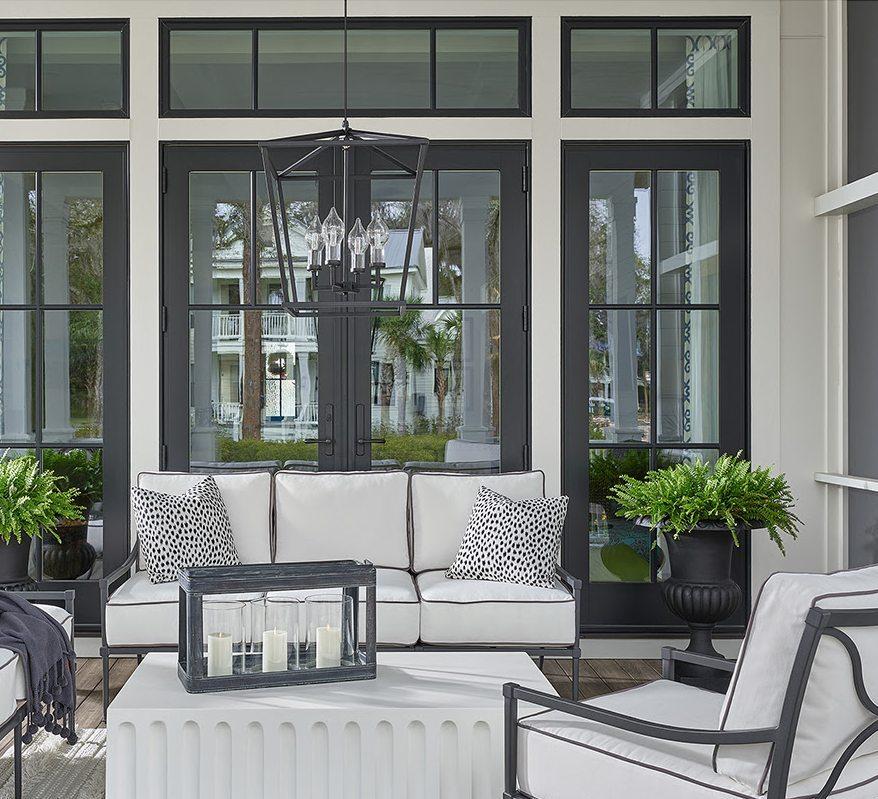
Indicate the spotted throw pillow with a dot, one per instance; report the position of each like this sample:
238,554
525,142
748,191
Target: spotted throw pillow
511,541
180,530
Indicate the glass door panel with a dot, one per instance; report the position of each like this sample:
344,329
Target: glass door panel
665,329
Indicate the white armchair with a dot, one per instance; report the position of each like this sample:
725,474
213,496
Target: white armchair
799,719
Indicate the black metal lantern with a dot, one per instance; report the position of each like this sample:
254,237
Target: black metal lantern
345,262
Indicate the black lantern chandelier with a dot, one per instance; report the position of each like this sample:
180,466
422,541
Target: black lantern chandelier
345,271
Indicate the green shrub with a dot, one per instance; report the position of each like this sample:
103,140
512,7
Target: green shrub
731,492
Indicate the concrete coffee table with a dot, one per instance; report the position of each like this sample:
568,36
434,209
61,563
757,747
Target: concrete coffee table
430,725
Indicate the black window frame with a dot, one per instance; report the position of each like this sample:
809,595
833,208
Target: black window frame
38,26
630,608
431,24
653,25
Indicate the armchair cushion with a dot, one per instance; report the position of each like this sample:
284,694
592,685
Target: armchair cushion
65,620
247,498
469,612
831,714
332,515
564,757
441,505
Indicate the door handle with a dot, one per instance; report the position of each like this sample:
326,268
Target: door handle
328,440
361,439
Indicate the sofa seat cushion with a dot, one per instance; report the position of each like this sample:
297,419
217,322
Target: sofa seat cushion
441,505
333,516
248,500
564,757
397,611
65,620
486,612
9,697
141,613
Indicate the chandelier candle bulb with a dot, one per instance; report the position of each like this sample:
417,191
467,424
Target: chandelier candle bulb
378,234
358,243
315,241
333,235
274,650
328,647
219,654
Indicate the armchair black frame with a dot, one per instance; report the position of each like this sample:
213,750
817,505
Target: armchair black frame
818,623
14,723
573,651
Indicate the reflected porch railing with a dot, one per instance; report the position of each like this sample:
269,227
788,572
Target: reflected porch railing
279,326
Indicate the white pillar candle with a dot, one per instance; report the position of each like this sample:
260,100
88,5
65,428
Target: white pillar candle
219,654
328,647
274,650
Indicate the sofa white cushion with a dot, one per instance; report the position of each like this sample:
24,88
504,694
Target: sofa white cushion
142,613
831,714
487,612
441,505
9,665
397,611
65,620
333,516
564,757
247,497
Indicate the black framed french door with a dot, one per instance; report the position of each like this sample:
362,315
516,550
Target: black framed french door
244,382
655,352
64,346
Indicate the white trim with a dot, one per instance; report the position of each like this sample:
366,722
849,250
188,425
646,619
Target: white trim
848,198
847,481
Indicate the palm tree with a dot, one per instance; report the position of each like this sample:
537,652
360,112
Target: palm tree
402,338
453,324
440,342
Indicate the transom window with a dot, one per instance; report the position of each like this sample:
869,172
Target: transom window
64,69
666,67
411,67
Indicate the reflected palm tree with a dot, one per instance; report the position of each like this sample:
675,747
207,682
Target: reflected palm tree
402,336
440,344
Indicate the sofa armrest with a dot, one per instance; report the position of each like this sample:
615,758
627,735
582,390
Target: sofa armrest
120,571
68,597
574,585
671,656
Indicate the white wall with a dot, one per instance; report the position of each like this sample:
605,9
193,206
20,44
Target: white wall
797,265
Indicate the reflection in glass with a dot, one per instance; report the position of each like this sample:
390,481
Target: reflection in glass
469,236
688,236
687,378
17,376
698,68
610,68
253,387
219,237
79,553
73,375
210,69
476,68
619,237
436,388
619,376
393,200
301,200
18,52
81,70
619,549
17,236
73,238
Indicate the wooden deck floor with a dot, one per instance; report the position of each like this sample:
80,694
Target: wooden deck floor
596,677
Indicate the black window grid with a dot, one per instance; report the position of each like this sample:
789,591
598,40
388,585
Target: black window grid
654,25
38,27
520,24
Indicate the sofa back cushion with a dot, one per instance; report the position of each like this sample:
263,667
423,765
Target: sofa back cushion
339,515
247,497
831,714
441,505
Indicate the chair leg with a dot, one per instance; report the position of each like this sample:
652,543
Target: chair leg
16,766
105,683
575,665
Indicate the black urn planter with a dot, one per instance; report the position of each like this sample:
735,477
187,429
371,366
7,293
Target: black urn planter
701,590
72,556
14,560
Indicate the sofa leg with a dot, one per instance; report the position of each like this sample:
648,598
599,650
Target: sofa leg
105,682
542,661
16,760
575,664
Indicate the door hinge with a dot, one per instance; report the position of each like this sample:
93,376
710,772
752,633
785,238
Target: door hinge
525,318
525,456
164,180
163,457
164,319
525,178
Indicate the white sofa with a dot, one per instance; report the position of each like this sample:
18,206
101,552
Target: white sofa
799,719
408,525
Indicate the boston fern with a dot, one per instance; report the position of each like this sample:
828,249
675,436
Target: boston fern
31,500
732,492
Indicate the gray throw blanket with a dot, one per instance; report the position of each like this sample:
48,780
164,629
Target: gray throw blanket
49,665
